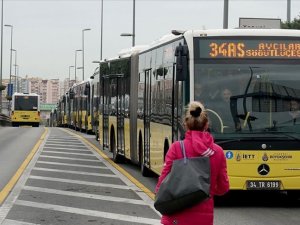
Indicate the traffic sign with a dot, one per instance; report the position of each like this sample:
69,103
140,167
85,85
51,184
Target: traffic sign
10,88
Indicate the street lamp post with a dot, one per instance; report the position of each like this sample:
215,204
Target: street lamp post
15,65
133,24
17,78
288,19
133,28
79,50
101,36
70,75
225,14
87,29
11,47
1,68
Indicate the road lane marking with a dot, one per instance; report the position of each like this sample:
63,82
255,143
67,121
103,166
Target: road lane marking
75,172
87,212
69,153
61,137
8,187
73,149
15,222
85,195
116,166
69,158
82,182
78,145
72,164
63,142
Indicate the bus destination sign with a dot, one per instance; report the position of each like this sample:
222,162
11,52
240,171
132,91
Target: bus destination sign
249,49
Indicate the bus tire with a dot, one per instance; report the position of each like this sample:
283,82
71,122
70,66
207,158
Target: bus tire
144,170
97,135
117,158
166,148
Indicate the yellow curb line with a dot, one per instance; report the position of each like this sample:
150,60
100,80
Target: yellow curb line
120,169
9,186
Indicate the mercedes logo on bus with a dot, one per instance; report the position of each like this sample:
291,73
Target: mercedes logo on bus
263,169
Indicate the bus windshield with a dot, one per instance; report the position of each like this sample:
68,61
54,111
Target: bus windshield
250,97
26,103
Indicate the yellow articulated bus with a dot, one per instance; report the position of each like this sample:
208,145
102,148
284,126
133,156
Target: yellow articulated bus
80,107
249,82
25,109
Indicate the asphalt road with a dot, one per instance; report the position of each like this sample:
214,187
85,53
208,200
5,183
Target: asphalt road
15,145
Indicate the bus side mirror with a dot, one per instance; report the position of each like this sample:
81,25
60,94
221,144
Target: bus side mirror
181,54
87,89
72,94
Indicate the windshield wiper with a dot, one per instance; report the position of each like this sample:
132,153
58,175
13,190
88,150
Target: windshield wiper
285,134
234,140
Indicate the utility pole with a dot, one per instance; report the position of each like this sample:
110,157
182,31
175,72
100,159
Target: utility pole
1,56
225,14
288,19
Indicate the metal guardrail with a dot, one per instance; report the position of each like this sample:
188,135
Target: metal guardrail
5,120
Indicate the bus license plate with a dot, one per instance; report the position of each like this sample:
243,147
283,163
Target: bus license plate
263,185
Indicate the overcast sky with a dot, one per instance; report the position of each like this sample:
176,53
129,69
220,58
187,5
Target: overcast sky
46,33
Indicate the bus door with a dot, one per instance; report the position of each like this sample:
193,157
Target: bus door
92,107
106,111
147,116
120,114
177,128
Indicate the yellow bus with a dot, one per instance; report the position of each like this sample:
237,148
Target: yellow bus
25,109
249,82
80,107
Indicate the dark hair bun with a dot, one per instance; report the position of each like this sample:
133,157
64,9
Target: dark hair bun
196,112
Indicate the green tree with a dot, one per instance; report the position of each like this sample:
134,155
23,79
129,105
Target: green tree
295,24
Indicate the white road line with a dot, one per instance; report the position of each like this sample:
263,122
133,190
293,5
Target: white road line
69,153
64,141
72,164
124,187
80,145
62,137
15,222
69,158
75,172
86,212
85,195
69,149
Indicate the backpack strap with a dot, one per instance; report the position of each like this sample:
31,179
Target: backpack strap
183,151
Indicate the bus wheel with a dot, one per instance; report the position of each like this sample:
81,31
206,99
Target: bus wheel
117,158
144,170
97,135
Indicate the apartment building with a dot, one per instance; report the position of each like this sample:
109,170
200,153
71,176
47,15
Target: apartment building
48,89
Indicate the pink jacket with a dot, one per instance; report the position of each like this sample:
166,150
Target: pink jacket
196,142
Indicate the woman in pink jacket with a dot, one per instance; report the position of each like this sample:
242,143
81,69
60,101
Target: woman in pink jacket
197,141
